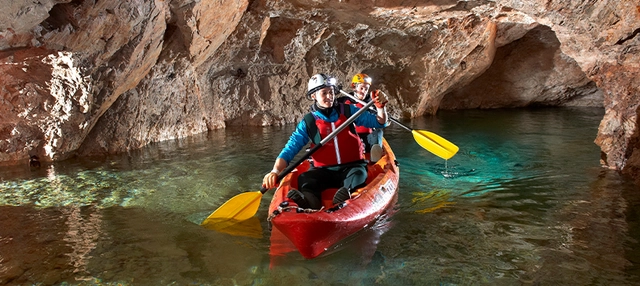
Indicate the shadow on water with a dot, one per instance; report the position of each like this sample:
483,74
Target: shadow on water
523,202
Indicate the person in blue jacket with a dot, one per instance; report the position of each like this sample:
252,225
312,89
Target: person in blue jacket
339,163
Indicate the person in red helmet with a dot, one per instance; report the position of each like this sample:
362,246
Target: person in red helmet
339,163
371,137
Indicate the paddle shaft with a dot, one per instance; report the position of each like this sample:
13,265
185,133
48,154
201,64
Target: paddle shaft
315,148
428,140
390,118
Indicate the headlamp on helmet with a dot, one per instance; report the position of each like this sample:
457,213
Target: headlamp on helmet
320,81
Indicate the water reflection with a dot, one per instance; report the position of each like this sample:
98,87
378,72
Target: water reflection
82,236
354,261
430,201
249,228
523,202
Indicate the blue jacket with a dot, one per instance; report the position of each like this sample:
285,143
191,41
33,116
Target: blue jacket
300,138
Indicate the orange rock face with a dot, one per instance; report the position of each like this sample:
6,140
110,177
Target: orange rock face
104,77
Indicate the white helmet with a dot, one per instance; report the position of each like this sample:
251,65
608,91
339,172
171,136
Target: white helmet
320,81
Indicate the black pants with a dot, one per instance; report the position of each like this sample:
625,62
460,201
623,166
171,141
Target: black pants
314,181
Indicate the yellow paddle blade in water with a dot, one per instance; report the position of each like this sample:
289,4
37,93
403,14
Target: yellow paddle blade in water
249,228
435,144
431,201
239,208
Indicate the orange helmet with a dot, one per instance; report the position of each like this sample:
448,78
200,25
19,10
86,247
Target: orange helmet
360,78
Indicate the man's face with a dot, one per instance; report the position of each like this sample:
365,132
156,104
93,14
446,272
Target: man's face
362,89
324,97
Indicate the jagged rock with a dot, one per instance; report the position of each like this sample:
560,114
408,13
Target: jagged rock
95,53
18,18
44,97
527,72
145,71
173,99
604,39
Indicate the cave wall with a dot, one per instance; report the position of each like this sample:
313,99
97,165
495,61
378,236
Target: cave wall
94,77
603,37
531,71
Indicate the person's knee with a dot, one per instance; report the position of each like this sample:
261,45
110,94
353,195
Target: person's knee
359,171
304,177
306,181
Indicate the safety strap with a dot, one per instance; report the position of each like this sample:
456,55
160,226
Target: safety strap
312,128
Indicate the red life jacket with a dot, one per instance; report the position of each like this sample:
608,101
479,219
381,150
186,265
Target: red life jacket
359,129
345,147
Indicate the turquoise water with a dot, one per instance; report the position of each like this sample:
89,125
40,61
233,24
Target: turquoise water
525,201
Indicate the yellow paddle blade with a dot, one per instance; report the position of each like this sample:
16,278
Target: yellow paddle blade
432,201
239,208
250,227
435,144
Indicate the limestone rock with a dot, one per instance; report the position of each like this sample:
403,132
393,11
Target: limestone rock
142,71
45,96
604,39
17,18
531,71
172,100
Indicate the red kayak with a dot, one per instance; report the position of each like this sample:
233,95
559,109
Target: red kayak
311,231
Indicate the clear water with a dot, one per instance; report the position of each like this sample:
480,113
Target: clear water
525,201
